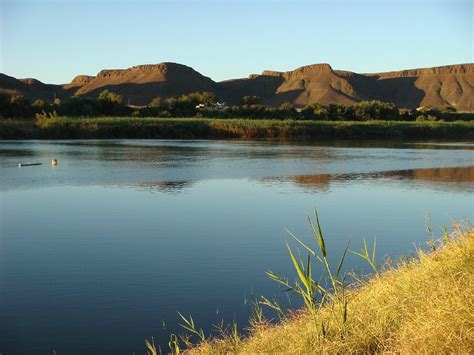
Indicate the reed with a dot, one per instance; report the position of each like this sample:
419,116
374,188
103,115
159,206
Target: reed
53,127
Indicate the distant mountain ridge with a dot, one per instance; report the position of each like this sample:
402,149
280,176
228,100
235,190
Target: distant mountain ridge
451,85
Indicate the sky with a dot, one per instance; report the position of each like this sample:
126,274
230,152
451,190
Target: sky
53,40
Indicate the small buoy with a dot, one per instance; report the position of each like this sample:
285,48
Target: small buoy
54,162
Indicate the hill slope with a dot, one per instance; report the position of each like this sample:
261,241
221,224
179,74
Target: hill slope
450,85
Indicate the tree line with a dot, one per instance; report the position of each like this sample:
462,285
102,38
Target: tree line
202,104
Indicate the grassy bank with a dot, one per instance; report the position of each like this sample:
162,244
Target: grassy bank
423,305
202,128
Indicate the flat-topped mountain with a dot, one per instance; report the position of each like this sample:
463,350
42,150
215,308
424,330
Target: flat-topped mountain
450,85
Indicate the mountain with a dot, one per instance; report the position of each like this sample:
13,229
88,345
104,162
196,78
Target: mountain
450,85
308,84
140,84
440,86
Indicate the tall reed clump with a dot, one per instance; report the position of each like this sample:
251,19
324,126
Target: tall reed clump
46,119
315,294
423,304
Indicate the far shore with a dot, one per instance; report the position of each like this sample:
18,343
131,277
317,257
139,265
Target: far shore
211,128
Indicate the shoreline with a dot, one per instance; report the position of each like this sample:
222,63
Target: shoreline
404,309
210,128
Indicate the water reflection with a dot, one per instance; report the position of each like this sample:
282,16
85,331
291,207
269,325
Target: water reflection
172,187
137,163
460,178
461,174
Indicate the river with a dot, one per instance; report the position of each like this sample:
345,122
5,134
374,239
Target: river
102,250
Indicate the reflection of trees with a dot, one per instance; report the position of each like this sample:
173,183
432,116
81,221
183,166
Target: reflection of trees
322,182
445,174
319,182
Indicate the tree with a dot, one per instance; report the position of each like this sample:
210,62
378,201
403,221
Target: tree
206,98
111,103
39,104
79,106
110,96
156,102
375,110
315,111
15,106
286,106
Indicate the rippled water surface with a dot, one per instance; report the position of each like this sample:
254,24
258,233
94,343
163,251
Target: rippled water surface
100,251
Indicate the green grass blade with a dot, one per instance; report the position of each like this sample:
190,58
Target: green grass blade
308,268
341,262
311,251
319,234
298,268
373,250
358,254
278,279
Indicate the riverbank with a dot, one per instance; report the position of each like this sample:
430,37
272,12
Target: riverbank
423,305
204,128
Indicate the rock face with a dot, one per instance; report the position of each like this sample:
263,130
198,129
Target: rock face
140,84
79,80
439,86
308,84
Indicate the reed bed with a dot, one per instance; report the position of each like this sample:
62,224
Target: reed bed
207,128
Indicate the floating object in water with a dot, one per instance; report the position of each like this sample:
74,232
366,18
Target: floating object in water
54,162
28,164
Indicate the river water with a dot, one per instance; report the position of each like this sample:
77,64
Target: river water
102,250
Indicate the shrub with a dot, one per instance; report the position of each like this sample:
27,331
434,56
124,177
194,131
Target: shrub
46,119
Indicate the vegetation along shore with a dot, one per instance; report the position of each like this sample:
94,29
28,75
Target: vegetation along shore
204,128
200,116
422,304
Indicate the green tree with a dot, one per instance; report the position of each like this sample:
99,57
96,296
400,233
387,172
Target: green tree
156,102
286,107
110,96
39,104
206,98
315,111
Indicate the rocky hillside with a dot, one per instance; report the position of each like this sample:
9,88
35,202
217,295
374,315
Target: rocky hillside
439,86
140,84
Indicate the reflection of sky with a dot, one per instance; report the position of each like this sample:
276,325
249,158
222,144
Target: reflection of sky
91,260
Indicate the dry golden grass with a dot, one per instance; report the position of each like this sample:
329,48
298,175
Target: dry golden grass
424,305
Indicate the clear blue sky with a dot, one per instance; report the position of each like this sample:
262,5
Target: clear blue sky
55,40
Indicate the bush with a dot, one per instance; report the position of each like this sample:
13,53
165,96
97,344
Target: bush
46,119
109,96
